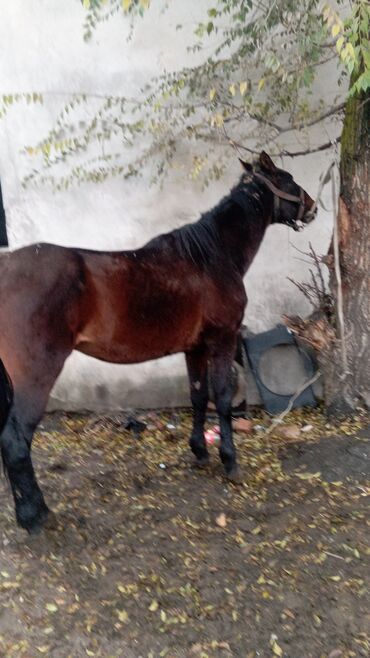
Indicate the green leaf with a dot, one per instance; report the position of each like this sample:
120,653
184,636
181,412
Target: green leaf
350,64
243,86
308,77
218,120
339,44
366,55
362,84
335,29
349,51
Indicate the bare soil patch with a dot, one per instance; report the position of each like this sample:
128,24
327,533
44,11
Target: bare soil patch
139,565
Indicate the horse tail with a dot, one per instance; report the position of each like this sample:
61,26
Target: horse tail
6,395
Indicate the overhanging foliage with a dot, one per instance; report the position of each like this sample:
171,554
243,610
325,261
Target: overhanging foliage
255,88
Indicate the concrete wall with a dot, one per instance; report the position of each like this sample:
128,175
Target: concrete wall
43,50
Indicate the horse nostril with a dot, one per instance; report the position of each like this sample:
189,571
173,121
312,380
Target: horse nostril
310,216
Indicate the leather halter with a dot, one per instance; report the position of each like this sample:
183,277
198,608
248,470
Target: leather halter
279,194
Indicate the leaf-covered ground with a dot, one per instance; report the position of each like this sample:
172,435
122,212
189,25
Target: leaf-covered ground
151,558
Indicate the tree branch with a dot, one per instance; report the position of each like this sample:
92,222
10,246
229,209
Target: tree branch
333,110
290,154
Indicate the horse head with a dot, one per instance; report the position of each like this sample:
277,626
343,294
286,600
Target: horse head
293,206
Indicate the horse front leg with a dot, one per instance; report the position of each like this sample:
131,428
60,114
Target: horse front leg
221,379
30,507
196,362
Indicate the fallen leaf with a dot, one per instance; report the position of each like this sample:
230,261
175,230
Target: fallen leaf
336,653
277,650
122,616
224,645
308,476
48,630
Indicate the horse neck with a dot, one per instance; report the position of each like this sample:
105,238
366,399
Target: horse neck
242,224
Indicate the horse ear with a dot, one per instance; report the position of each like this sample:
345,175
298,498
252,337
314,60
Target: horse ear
266,163
246,165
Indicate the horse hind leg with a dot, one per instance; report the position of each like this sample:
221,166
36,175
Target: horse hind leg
30,507
196,362
220,372
30,399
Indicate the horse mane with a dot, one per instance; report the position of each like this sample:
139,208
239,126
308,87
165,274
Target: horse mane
201,241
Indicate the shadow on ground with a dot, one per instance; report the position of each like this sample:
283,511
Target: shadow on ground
337,458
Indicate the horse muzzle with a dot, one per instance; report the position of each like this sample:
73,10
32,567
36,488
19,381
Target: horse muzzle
310,215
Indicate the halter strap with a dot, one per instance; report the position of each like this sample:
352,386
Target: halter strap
280,194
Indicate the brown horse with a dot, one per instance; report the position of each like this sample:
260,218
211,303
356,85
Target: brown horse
181,292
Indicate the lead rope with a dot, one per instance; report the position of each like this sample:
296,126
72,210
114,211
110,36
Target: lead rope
323,180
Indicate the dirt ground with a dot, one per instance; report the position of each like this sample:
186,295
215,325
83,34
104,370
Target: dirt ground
152,558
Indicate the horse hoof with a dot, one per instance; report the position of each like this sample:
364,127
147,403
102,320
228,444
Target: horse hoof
34,524
41,523
235,476
202,462
35,529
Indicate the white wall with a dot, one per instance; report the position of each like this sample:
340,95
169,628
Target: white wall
43,50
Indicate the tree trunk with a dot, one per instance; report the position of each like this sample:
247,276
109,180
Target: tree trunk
345,364
341,336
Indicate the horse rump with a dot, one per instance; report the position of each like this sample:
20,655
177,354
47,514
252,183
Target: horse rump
6,395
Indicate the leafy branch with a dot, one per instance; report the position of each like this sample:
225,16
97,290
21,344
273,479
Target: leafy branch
247,94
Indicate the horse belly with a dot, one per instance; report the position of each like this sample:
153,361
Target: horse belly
142,333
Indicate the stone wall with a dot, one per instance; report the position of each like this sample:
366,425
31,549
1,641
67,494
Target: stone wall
43,50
